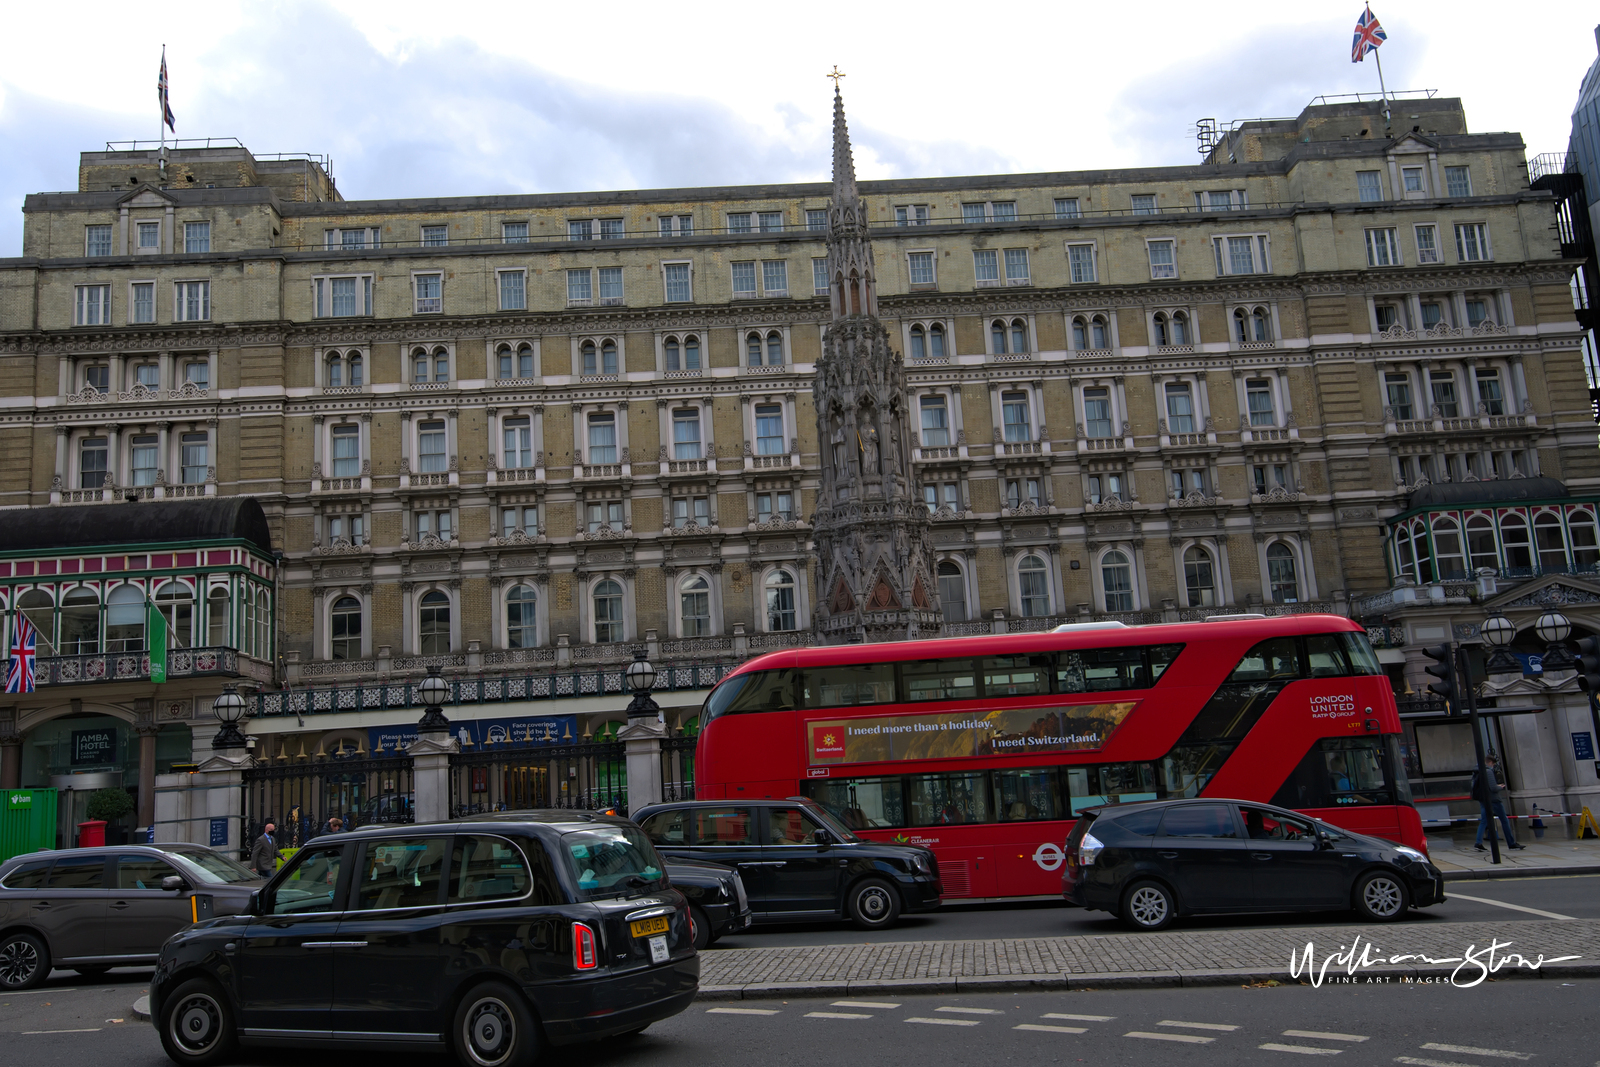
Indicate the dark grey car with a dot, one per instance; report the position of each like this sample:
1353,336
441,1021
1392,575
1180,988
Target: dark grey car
90,909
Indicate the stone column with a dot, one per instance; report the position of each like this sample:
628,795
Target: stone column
641,740
220,780
146,728
430,776
10,750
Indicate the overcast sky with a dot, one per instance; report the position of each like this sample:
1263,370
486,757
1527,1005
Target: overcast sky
467,97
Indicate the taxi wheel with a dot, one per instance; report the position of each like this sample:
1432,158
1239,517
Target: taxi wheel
24,962
699,928
873,904
1148,906
1380,897
494,1028
196,1025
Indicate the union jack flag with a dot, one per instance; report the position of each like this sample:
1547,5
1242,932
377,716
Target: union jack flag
1369,35
19,675
161,95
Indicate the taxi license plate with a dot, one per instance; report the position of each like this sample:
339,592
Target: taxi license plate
646,927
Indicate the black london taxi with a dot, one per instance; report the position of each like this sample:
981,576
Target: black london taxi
487,937
718,904
1150,862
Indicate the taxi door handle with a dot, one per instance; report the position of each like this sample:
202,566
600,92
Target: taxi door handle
119,905
43,905
1261,855
1168,855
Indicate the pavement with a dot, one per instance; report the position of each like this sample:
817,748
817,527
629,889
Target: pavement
1558,852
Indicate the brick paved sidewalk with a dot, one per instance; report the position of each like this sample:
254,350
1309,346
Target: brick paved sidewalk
1176,958
1558,852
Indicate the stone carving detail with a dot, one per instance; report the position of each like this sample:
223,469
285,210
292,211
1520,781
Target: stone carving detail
1555,594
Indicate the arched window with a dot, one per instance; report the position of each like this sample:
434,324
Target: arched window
80,622
1158,330
1080,333
608,612
1033,586
1581,529
1552,545
1099,332
952,592
1019,336
218,604
335,370
355,370
997,330
919,343
505,362
694,603
774,348
752,346
691,352
1421,550
672,352
590,366
125,619
1241,326
419,366
433,630
780,601
175,601
1481,548
608,356
344,628
441,365
1180,328
41,612
1116,576
525,361
1199,580
1261,324
1447,548
1514,538
263,624
522,629
1281,577
936,341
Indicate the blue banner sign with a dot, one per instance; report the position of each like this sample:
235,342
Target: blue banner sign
533,730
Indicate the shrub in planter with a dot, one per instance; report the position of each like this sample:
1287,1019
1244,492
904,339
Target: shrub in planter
110,805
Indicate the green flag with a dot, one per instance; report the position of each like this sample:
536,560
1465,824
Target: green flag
156,627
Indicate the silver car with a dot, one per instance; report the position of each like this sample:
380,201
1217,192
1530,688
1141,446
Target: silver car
91,909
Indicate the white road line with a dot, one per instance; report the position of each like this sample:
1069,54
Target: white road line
1304,1050
1322,1036
864,1004
41,992
1197,1026
1078,1018
740,1011
972,1011
1052,1029
835,1015
1453,895
943,1022
88,1030
1418,1061
1498,1053
1190,1038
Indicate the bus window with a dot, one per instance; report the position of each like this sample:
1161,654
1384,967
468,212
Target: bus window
1161,657
1355,770
1124,783
1362,658
751,692
1186,770
949,799
850,685
1016,676
939,679
1326,656
1276,657
1024,795
861,803
1100,670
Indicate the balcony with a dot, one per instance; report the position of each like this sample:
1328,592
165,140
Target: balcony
1481,422
110,493
1188,439
587,470
517,476
360,483
940,453
139,394
134,666
781,461
1105,442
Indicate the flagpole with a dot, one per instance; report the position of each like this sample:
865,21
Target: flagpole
1378,57
161,121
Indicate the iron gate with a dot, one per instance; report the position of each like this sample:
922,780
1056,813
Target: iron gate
521,777
301,795
677,768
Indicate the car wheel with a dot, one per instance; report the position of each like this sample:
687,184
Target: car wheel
92,972
699,928
873,904
196,1025
1148,906
494,1028
1380,897
24,961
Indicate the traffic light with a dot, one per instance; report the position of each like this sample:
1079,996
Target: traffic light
1442,668
1589,664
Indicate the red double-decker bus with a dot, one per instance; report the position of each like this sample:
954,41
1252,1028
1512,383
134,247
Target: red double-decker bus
985,748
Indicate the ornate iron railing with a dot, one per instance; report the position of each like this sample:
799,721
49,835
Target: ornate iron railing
525,777
300,795
135,665
677,768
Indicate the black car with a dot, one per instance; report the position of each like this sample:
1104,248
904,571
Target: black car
717,901
1152,861
487,937
798,862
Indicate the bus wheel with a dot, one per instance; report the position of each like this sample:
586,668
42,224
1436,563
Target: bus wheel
1379,897
1148,906
873,904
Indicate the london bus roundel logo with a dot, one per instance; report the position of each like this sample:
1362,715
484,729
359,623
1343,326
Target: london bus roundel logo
1049,856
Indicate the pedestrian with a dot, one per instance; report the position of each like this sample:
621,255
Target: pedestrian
1489,792
334,825
264,855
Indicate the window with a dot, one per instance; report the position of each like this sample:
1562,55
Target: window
515,364
1443,386
1458,181
197,237
942,495
580,286
739,222
513,290
344,297
1162,265
685,225
346,451
1432,313
1252,326
774,505
604,513
599,361
98,378
1472,242
610,285
1090,333
610,229
1067,207
911,215
935,422
819,275
973,213
817,218
681,354
147,375
1020,491
1017,266
196,457
522,630
1241,255
1116,577
429,293
1397,386
608,624
422,362
97,240
400,874
986,266
432,450
1017,332
780,601
435,236
517,437
144,302
433,630
772,345
348,527
1199,582
193,301
142,459
952,592
1143,203
1033,586
92,463
1382,248
1180,408
352,238
1369,187
1016,416
686,433
80,621
514,519
344,629
679,289
694,607
1080,260
149,236
927,343
514,233
920,266
602,437
1281,574
1478,311
93,305
1411,179
1258,401
775,277
769,221
769,430
1427,244
1489,394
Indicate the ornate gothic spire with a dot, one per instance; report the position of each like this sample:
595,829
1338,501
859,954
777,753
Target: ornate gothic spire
844,166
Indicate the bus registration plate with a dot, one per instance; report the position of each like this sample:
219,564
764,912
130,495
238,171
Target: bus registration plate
646,927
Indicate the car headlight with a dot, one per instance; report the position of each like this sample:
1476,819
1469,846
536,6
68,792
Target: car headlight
922,863
1411,854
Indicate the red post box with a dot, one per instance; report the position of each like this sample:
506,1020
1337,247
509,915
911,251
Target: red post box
91,834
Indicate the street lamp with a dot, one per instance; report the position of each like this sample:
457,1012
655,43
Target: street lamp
1553,628
641,679
1500,631
433,691
229,709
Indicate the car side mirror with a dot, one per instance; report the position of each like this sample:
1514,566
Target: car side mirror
822,838
1322,841
174,883
254,907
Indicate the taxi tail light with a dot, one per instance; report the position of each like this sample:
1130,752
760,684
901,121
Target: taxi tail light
585,954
